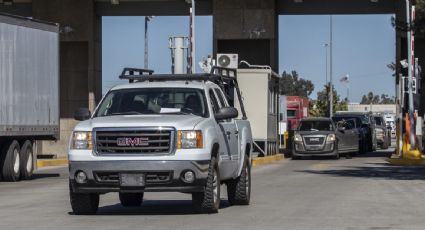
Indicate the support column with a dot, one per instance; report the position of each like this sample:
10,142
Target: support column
80,60
248,28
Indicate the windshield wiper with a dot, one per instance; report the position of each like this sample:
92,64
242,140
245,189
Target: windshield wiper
180,113
126,113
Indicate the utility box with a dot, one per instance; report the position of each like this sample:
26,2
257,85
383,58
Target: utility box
260,92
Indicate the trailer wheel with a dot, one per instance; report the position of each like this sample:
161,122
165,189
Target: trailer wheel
10,161
27,160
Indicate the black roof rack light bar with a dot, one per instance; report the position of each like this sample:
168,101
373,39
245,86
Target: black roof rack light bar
133,74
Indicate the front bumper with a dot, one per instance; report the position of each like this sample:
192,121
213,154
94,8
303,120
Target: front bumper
328,149
160,176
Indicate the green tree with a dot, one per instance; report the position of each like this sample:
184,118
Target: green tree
293,85
320,107
370,98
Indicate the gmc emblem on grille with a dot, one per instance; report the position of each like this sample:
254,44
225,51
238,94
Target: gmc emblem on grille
314,139
137,141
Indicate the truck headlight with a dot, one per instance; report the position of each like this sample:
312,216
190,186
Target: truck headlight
82,140
189,139
297,138
331,138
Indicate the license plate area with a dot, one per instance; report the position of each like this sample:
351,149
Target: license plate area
132,180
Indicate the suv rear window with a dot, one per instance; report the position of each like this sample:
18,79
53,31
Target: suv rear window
379,121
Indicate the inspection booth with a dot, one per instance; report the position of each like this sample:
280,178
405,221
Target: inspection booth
260,93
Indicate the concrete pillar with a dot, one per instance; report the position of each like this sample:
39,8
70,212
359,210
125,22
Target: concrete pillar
80,60
249,28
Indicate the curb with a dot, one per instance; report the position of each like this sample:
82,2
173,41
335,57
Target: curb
255,162
51,162
404,161
267,160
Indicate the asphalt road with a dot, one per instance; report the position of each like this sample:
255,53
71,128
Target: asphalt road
359,193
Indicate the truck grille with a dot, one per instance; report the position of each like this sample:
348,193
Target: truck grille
133,141
314,140
150,177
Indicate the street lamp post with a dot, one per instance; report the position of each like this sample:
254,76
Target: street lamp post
331,99
192,35
146,64
326,45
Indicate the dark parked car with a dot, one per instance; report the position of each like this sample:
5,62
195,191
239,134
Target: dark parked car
320,136
365,127
383,134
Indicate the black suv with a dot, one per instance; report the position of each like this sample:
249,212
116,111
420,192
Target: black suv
365,126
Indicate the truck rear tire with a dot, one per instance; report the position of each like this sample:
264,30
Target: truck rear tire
209,200
131,199
83,203
239,189
27,160
10,161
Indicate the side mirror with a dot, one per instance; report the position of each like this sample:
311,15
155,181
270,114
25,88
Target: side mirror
226,113
82,114
341,128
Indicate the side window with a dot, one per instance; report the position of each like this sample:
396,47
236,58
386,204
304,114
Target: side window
214,103
220,97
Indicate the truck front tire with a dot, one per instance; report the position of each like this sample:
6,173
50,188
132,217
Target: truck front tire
27,160
131,199
83,203
209,200
239,189
10,161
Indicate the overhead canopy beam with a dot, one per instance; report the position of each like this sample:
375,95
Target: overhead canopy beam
152,7
304,7
204,7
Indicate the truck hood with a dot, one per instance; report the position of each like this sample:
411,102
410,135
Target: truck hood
307,133
180,122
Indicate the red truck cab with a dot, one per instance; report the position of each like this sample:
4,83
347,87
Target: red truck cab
297,108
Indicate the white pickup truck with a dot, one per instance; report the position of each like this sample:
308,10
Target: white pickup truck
177,133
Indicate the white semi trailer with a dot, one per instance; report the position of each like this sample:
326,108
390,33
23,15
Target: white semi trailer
29,92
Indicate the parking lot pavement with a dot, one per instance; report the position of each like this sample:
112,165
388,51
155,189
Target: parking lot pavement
359,193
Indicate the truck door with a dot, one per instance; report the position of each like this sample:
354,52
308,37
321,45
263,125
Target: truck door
229,129
352,134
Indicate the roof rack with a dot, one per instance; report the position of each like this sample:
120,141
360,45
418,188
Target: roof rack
216,74
133,74
226,78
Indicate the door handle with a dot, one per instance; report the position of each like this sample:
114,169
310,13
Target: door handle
228,133
236,132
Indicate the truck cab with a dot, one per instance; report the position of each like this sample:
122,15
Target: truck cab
173,133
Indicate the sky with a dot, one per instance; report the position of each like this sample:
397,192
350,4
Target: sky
362,47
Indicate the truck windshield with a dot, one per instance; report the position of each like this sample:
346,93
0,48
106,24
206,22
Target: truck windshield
315,126
153,101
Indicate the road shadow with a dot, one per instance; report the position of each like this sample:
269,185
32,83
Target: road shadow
379,171
155,207
382,153
36,176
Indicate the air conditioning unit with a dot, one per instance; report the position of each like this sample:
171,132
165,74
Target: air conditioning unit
227,60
